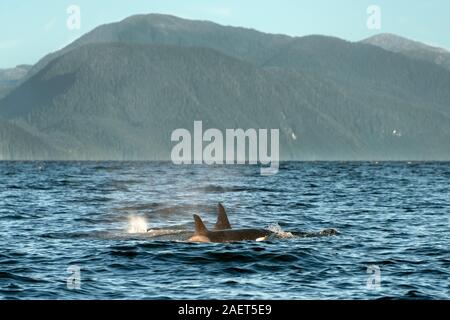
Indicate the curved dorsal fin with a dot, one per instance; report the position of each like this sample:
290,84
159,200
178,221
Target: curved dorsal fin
222,219
200,228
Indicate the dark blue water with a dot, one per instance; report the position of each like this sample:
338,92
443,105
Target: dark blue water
391,216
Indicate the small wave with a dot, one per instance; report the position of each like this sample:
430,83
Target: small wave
303,205
14,187
315,234
278,231
122,253
239,270
221,189
183,209
93,199
139,207
163,209
416,294
11,276
163,232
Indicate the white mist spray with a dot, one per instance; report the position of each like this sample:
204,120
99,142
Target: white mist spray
137,224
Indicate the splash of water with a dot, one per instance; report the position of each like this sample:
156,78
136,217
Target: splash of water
276,229
137,224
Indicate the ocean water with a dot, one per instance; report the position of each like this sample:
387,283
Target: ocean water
65,231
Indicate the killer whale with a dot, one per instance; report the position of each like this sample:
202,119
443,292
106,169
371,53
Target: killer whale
223,232
222,219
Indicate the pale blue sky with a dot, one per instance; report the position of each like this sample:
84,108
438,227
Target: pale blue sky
32,28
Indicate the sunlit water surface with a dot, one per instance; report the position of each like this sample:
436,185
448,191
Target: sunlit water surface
392,217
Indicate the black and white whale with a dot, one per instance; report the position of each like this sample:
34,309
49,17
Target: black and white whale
223,232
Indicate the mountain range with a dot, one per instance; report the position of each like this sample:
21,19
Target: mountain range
411,48
118,92
10,78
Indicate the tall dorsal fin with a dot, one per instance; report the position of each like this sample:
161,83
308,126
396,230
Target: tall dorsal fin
200,228
222,219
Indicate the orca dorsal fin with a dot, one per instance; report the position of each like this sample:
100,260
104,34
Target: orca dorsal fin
200,228
222,219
